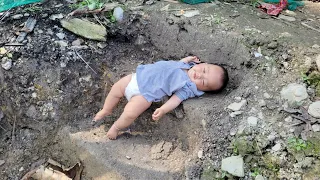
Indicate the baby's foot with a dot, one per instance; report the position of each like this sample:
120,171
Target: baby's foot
113,133
101,114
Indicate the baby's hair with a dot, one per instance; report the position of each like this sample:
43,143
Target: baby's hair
225,79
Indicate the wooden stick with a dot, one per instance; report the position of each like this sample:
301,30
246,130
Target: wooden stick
308,26
85,62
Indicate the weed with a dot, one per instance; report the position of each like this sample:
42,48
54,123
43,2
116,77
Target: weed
91,4
32,9
297,144
256,172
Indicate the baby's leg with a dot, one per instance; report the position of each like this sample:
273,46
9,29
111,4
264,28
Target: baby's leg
116,92
136,106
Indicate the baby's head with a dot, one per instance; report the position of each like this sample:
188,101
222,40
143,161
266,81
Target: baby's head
209,77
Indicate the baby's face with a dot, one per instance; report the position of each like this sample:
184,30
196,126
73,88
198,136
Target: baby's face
207,77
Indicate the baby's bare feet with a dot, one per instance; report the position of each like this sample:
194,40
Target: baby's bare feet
113,132
101,114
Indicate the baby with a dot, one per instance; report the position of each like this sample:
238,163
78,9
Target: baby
181,80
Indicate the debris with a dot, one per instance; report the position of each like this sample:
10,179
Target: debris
252,121
315,127
28,27
62,44
276,147
315,46
60,35
290,4
257,54
56,16
314,109
233,165
85,29
55,171
14,44
5,5
291,13
85,62
287,18
295,94
21,169
128,157
273,9
237,106
310,27
191,13
2,162
86,10
6,63
235,113
262,103
17,16
149,2
200,154
118,14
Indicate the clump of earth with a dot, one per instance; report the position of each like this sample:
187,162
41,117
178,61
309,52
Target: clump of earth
264,125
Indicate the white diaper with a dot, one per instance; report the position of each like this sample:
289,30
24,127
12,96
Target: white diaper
132,89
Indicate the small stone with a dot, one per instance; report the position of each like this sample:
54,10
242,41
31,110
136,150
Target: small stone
2,162
233,165
285,56
272,45
259,177
26,14
276,147
233,131
291,13
200,154
6,63
34,95
17,16
315,46
237,106
252,121
314,109
316,127
295,94
60,35
128,157
266,95
287,18
3,51
56,16
238,98
21,169
260,115
77,42
101,45
62,44
288,119
236,113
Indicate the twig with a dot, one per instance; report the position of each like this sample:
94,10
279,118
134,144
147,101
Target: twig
96,17
85,61
14,128
3,128
308,26
4,15
106,7
186,9
172,1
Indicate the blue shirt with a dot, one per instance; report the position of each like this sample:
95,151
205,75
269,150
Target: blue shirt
166,78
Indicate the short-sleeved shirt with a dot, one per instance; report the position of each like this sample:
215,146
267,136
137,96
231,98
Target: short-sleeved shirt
166,78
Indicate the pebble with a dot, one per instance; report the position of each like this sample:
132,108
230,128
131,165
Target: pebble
34,95
272,45
314,109
56,16
26,14
233,131
233,165
60,35
3,51
62,43
287,18
288,12
252,121
2,162
266,95
17,16
237,106
288,119
77,42
259,177
128,157
315,46
200,154
276,147
260,115
21,169
6,63
295,94
316,127
236,113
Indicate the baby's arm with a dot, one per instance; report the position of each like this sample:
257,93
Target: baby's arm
191,59
172,103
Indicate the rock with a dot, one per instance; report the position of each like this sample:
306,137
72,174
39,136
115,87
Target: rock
62,44
200,154
77,42
60,35
287,18
3,51
291,13
17,16
288,119
85,29
266,95
315,46
140,40
118,14
237,106
233,131
2,162
262,103
276,147
26,14
101,45
243,145
56,16
318,62
191,13
6,63
128,157
316,127
259,177
32,112
21,169
295,94
272,45
252,121
236,113
285,56
314,109
233,165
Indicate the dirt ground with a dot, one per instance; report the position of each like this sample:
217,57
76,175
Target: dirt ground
50,96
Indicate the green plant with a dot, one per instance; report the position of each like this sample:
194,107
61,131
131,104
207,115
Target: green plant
91,4
33,8
297,144
256,172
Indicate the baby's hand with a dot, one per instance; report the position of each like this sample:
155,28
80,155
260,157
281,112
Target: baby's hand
191,59
158,113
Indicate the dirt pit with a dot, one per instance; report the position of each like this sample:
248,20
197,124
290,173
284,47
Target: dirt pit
49,97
